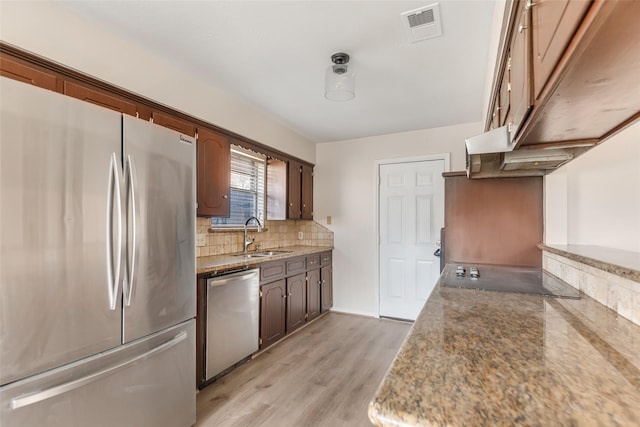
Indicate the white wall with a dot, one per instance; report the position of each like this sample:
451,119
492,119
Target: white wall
345,185
595,199
49,30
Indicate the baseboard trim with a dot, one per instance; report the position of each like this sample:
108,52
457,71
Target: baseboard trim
355,312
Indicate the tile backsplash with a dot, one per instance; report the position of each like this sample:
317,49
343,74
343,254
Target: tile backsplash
618,293
276,234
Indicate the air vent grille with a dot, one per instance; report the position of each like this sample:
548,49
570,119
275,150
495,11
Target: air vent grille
423,23
422,18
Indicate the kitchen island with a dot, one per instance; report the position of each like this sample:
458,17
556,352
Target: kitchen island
476,358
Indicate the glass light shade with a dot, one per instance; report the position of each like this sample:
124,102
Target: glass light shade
339,86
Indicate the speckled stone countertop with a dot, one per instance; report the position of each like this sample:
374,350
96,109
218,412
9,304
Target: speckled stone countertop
215,263
479,358
622,263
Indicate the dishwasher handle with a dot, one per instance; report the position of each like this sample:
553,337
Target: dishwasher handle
223,280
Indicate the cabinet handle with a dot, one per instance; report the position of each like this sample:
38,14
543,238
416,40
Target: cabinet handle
529,5
291,204
289,293
522,28
225,197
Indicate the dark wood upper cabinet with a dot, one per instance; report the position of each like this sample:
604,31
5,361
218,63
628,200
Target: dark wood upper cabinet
100,97
307,192
272,312
553,25
213,172
518,66
174,123
313,294
572,67
276,189
294,189
296,302
31,74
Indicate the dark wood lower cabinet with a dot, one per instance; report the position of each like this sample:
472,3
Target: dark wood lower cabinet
272,312
293,291
296,302
326,288
313,294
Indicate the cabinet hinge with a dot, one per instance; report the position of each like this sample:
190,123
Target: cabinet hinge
306,279
260,294
306,316
509,64
508,86
260,341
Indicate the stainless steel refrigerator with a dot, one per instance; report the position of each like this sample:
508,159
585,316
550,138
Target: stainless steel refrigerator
97,266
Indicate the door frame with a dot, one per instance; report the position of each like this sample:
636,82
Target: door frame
446,157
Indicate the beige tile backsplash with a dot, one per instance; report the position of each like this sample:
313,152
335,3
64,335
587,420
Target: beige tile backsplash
618,293
277,234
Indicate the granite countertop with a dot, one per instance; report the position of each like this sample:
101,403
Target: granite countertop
215,263
477,358
622,263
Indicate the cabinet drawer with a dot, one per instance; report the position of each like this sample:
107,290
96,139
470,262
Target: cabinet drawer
325,258
313,261
271,271
296,265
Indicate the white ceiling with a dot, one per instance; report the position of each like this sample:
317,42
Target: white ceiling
273,55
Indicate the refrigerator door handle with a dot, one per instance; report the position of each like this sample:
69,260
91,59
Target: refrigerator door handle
30,399
132,253
114,269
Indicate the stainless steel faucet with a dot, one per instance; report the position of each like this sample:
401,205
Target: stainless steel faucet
247,240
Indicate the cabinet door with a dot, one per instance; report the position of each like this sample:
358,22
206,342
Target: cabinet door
214,171
272,312
326,291
553,25
100,97
276,189
313,294
521,99
307,192
294,181
174,123
296,302
504,98
26,73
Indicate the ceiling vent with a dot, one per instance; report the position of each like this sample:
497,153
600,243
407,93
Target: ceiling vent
423,23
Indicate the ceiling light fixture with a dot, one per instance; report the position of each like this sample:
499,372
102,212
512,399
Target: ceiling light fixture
340,80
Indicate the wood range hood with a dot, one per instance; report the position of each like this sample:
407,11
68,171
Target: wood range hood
565,81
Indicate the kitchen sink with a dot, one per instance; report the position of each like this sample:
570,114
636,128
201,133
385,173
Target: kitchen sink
262,254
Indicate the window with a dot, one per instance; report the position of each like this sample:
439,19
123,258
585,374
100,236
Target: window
247,189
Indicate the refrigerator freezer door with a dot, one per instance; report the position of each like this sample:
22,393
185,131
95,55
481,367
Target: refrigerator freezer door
146,383
159,288
57,159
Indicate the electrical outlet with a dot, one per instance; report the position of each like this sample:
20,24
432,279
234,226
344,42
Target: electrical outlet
300,235
201,240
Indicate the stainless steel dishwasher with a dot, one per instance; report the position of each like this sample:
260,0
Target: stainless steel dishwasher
233,304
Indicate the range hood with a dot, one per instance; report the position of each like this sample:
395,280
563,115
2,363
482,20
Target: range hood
492,155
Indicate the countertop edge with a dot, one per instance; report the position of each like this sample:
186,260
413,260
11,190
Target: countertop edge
216,263
608,266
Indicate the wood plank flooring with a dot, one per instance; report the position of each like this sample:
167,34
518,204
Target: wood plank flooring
323,375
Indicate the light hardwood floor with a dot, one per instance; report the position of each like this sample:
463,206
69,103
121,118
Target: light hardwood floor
323,375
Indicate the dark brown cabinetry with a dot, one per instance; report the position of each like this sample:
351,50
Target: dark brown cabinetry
553,23
299,191
213,172
272,312
307,192
100,97
31,74
305,286
294,189
174,123
296,302
518,66
571,66
313,294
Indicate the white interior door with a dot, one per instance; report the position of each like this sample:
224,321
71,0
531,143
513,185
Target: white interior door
411,215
